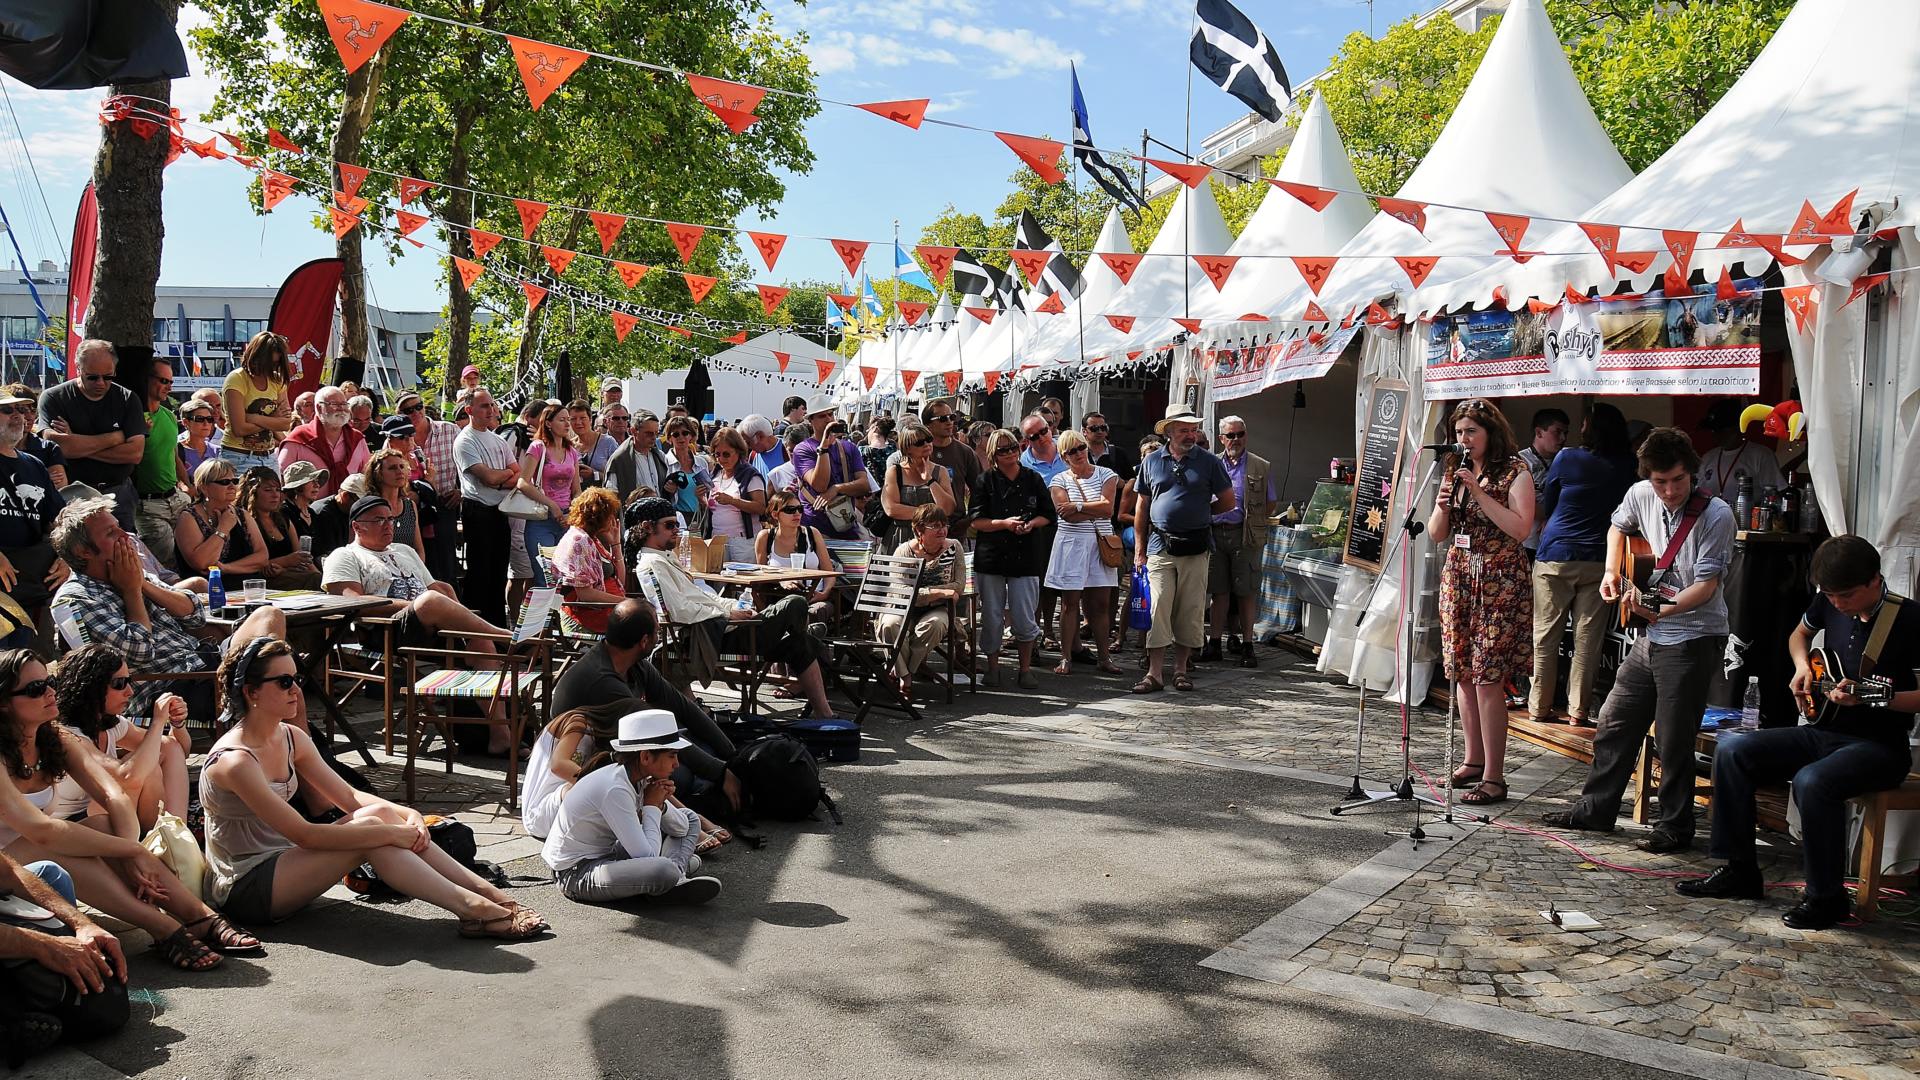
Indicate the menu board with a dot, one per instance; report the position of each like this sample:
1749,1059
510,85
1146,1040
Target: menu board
1372,512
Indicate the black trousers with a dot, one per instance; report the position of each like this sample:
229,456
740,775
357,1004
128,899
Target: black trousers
443,551
1663,687
484,589
27,987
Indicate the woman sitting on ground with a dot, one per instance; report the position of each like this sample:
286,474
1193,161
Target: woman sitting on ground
212,530
111,871
267,861
943,573
587,561
737,501
617,835
785,537
264,503
150,763
555,763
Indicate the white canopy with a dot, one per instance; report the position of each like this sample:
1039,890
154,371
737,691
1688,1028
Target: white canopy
740,375
1058,336
947,351
1167,283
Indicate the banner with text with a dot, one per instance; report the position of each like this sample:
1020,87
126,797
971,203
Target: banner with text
1249,369
1705,343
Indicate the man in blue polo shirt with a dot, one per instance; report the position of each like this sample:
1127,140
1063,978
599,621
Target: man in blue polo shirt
1180,488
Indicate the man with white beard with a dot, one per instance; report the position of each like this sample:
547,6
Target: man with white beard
329,442
29,572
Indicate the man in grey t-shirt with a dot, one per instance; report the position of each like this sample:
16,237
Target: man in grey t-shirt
100,426
1663,683
487,472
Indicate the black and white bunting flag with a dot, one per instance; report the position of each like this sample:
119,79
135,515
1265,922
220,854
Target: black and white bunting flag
1231,51
971,276
1059,275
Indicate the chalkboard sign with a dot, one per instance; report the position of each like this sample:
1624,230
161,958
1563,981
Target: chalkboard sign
1371,516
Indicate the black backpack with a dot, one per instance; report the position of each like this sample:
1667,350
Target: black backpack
781,779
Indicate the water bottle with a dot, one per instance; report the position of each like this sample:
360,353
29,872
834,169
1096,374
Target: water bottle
216,592
1750,705
745,603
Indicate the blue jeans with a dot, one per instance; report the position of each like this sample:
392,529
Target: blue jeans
56,877
242,461
542,534
1827,768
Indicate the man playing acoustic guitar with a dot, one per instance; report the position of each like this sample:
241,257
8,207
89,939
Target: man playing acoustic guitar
1872,638
1663,682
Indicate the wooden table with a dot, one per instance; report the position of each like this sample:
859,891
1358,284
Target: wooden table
332,616
767,576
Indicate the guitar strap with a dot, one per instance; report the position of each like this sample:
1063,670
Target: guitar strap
1690,516
1882,629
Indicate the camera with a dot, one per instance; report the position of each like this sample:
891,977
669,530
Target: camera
679,479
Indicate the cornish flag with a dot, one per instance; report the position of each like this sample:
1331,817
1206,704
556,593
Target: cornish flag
971,276
1059,276
1231,51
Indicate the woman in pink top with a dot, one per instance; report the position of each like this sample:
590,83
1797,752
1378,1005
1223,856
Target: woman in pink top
550,451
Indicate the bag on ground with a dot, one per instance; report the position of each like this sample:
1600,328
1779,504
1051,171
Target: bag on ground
780,778
173,844
1140,602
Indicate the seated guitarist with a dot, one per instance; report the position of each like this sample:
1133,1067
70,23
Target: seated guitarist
1663,682
1854,748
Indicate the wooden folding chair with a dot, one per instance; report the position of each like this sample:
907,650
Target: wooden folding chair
680,657
887,589
353,664
73,634
570,640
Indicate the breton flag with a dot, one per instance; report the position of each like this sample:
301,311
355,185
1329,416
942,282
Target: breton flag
1231,51
1111,179
1059,275
908,271
970,275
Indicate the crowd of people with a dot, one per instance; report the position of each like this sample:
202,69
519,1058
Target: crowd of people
118,503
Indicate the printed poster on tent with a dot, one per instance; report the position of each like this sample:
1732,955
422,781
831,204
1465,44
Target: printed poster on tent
1651,344
1249,369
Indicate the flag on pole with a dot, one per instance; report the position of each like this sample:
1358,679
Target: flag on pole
1231,51
908,271
1059,275
869,303
971,276
834,318
1110,177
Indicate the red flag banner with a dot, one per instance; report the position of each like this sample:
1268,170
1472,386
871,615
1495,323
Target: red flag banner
843,301
1511,228
685,238
823,369
241,148
1252,316
1737,237
938,260
1800,301
351,177
1041,155
770,298
1054,304
359,29
1539,307
1499,295
281,142
1314,269
352,204
908,377
769,245
483,242
630,273
86,237
1316,197
984,314
992,380
343,222
1413,213
1417,266
249,162
409,221
1377,316
1636,261
535,294
851,252
1122,266
1674,282
681,330
953,382
623,324
783,359
1606,240
531,214
469,271
1806,227
1839,220
1862,285
411,189
1575,296
274,186
558,259
1122,323
543,67
1724,289
1680,245
1032,263
608,226
867,374
1192,326
207,149
1315,313
303,314
1189,174
911,311
1218,268
737,338
700,285
909,112
732,102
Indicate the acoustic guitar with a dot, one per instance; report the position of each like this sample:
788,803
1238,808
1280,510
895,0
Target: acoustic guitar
1637,566
1830,674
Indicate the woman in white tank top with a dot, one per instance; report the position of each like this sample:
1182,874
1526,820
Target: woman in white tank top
95,686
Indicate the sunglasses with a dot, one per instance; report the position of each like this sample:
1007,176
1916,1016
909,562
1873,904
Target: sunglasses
918,443
1076,451
36,688
413,408
1235,435
16,410
119,682
1097,429
199,419
284,682
1036,436
228,481
794,510
938,419
668,523
1006,451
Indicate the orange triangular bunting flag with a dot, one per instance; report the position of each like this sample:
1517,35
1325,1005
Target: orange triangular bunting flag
352,204
1032,263
1538,306
1636,261
249,162
1377,315
738,338
700,285
1122,323
557,259
992,379
910,112
783,359
630,273
1724,288
1862,285
1252,316
544,67
535,294
358,29
681,330
867,374
1838,221
850,252
469,270
1190,175
1737,237
1605,239
1122,266
1315,197
822,370
843,301
411,189
1054,304
351,177
207,149
483,242
1417,266
274,186
1314,312
685,238
735,120
342,221
938,260
953,382
911,311
531,214
608,226
732,102
1806,227
770,298
1674,282
1041,155
1680,245
1218,268
1574,296
1499,295
409,221
1192,326
1799,300
984,314
1511,228
281,142
908,377
1314,269
769,245
1413,213
623,324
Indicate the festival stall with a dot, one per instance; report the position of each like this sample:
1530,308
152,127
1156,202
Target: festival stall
1058,343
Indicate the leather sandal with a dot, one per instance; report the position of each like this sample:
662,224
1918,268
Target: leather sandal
187,952
1148,685
1484,794
1182,681
223,936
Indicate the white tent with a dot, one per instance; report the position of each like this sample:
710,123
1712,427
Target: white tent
746,378
946,353
1166,284
923,340
1058,337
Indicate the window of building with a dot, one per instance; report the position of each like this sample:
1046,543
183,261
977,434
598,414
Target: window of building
208,329
244,329
166,329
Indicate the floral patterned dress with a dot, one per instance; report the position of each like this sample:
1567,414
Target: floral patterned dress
1486,628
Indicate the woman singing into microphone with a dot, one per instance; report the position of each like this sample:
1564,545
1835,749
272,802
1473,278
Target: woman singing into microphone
1486,594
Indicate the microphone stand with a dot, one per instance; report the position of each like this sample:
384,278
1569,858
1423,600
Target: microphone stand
1358,798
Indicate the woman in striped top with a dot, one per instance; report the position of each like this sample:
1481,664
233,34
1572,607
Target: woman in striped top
1083,500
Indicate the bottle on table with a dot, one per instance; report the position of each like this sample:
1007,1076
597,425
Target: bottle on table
1750,705
216,590
1743,502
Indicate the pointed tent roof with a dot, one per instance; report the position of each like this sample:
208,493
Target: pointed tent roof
1166,283
933,327
1057,337
1283,225
1831,104
1008,342
1523,140
945,355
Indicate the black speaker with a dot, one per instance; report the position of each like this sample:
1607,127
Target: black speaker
349,369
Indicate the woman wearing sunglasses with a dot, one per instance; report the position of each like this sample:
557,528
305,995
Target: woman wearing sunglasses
214,531
268,861
785,537
149,763
110,870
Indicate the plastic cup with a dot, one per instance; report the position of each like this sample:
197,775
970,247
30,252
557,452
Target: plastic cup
797,560
256,590
306,545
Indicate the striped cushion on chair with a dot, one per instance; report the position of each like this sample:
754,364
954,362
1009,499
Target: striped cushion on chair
462,683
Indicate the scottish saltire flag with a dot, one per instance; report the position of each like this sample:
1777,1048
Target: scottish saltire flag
1110,177
1231,51
869,303
834,318
908,271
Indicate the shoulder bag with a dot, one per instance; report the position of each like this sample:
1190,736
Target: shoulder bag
519,504
1113,551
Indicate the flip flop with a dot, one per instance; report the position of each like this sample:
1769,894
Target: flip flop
1108,666
1148,685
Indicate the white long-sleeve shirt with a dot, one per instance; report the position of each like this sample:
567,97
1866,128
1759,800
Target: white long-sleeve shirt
601,817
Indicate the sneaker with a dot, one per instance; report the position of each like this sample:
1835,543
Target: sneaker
1028,680
1211,651
1734,881
991,678
1662,842
1564,819
693,890
1811,914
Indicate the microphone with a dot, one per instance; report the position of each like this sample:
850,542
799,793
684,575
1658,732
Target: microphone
1447,448
1459,490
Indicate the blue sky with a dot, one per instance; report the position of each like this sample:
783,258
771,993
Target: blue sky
994,63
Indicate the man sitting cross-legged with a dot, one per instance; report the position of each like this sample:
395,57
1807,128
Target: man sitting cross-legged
373,565
782,637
